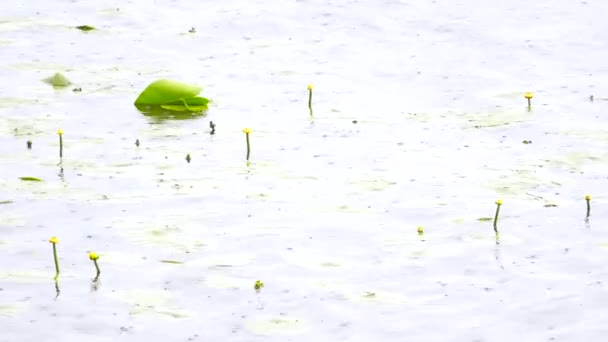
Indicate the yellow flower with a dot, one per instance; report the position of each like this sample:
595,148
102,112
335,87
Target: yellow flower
54,239
529,95
246,130
588,197
499,202
93,256
60,131
309,87
420,230
258,285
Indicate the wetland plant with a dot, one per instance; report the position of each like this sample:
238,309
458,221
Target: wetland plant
172,96
498,204
29,144
247,131
258,286
85,28
60,134
137,142
94,257
58,80
54,241
188,159
588,199
420,230
529,97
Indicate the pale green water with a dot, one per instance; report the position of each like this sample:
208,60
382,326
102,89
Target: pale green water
326,213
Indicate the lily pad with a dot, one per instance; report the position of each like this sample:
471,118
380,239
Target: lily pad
57,80
277,325
152,303
30,179
171,96
11,309
85,28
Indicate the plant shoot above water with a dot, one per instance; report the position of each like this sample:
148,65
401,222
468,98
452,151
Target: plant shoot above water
172,96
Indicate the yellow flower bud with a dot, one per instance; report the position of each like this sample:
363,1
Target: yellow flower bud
588,197
60,131
258,285
246,130
420,230
309,87
54,239
93,256
529,95
499,202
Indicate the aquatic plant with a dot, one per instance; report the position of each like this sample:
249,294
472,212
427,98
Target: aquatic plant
29,144
247,131
529,97
588,199
498,204
30,179
137,142
258,286
57,80
420,230
54,241
173,96
309,87
85,28
188,159
94,257
60,133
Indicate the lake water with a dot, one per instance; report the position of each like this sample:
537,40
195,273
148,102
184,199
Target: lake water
419,120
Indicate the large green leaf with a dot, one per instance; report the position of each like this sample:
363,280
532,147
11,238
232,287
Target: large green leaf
168,92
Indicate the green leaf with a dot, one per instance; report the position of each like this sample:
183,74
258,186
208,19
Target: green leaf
57,80
30,179
85,28
171,96
193,104
163,92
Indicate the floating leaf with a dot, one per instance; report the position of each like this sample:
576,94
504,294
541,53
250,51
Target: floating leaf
85,28
173,96
57,80
277,325
30,179
11,310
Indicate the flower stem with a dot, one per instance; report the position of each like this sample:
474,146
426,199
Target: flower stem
98,271
496,216
56,261
248,145
60,145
